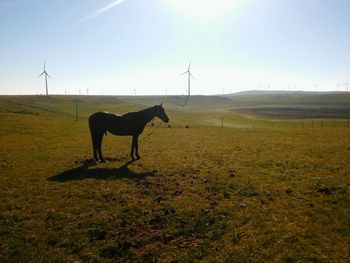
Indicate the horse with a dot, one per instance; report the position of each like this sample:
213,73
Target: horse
129,124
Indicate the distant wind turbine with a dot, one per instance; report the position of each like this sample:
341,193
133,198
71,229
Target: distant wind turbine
46,75
345,84
189,76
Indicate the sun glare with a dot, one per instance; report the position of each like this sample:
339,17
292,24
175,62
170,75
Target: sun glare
203,10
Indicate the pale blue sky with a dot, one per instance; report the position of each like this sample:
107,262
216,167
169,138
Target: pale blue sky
145,44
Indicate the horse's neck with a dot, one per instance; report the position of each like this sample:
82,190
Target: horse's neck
148,114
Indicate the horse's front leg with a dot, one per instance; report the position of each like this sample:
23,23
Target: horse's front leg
135,148
133,143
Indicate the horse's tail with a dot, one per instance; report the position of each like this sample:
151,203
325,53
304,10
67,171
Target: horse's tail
90,124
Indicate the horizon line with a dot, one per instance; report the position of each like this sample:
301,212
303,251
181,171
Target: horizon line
185,95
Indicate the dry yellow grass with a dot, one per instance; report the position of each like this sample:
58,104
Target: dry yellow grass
199,194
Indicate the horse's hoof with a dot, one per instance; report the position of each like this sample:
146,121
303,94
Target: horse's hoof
102,161
138,157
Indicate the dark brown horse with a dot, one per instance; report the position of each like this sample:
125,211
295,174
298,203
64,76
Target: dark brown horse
131,124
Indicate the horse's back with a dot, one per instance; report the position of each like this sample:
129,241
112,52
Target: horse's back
106,121
102,118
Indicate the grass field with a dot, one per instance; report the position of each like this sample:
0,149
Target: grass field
257,190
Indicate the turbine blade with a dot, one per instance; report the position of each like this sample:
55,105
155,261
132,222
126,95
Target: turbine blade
41,74
44,64
189,66
48,75
183,73
191,75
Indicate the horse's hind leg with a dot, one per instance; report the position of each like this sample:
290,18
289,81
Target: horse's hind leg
99,146
94,146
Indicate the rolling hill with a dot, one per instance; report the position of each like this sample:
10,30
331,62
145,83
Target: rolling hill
267,104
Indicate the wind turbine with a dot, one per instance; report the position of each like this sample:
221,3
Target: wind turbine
346,85
46,75
189,76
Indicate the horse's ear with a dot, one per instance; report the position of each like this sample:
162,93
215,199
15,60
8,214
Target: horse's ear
161,104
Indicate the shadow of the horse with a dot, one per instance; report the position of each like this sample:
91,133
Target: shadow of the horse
86,171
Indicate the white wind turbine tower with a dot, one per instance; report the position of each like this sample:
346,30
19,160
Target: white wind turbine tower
46,75
189,76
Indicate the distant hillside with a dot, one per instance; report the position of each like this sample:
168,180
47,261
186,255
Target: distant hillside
259,98
178,101
280,104
270,92
292,104
297,111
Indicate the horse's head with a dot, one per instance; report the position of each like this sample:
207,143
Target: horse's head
160,113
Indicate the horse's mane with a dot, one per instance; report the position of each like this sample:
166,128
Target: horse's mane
139,112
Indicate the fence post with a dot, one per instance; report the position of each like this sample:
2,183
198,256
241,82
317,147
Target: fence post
222,122
76,112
